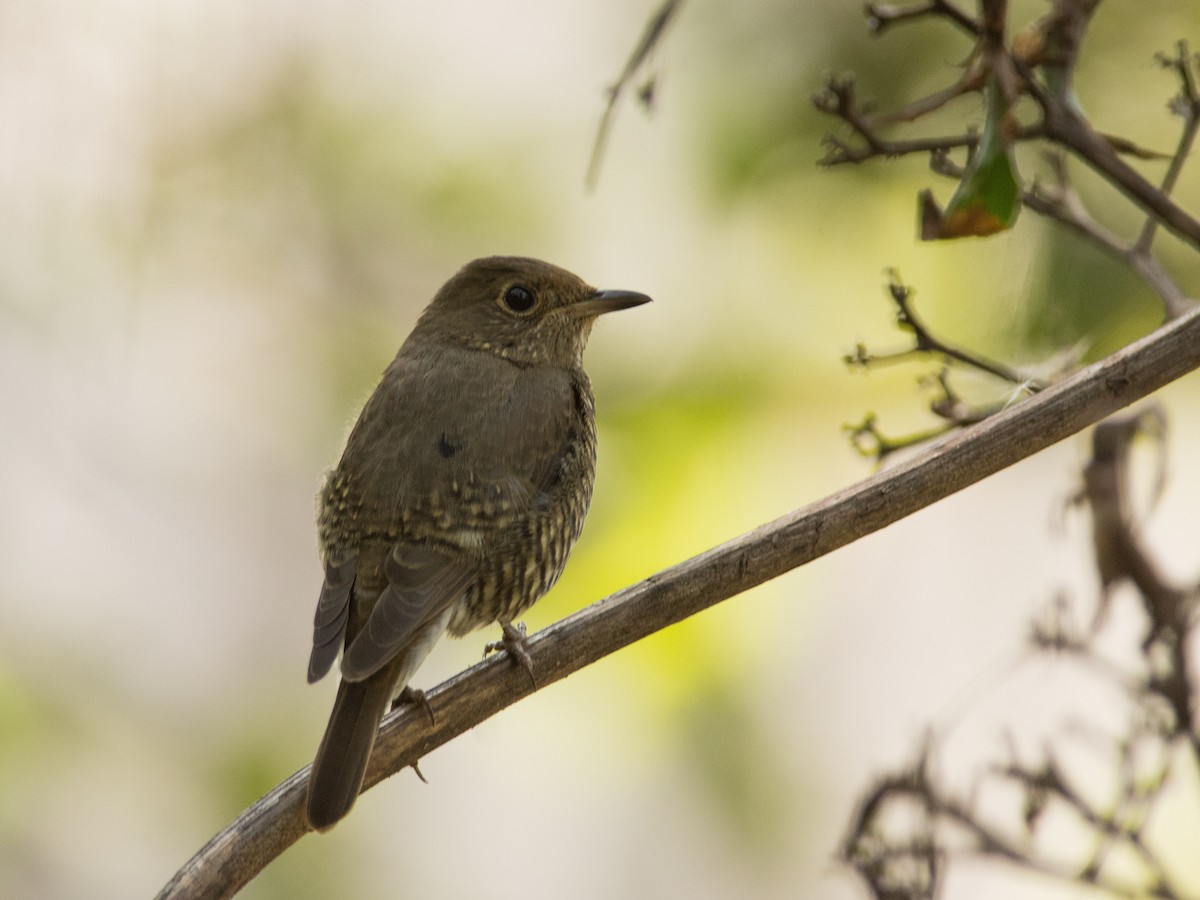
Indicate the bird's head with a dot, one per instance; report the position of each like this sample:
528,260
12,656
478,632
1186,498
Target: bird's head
525,310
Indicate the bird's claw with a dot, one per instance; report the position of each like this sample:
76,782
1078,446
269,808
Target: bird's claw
513,640
416,697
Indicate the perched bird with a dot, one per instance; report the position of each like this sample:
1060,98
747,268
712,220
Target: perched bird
463,486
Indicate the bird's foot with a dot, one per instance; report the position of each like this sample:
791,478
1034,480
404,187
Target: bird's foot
513,640
416,697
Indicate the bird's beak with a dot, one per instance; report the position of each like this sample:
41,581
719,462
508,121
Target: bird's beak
608,301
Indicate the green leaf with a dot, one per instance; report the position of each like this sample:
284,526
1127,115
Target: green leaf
988,198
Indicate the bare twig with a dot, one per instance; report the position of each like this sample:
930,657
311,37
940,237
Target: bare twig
1065,126
955,410
1060,202
881,16
909,828
866,437
870,442
955,413
656,27
1120,826
838,98
1172,610
927,342
907,860
1057,37
1187,106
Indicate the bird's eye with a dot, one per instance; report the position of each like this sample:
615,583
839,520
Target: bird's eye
518,299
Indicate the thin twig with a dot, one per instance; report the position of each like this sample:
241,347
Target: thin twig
1061,203
898,867
1065,126
881,16
870,442
838,98
1187,106
909,826
928,342
656,27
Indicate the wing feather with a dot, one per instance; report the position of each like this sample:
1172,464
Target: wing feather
333,612
422,583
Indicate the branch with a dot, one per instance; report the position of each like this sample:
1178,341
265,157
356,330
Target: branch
1187,105
881,16
910,829
870,442
949,406
656,27
1170,609
1065,126
1041,64
1060,202
927,342
238,853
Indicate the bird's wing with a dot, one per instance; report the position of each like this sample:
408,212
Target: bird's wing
333,612
422,582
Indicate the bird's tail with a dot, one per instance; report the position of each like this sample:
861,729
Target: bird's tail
337,772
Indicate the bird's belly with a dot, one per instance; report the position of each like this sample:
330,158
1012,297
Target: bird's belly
518,567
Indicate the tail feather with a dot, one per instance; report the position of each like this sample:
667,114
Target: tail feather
341,762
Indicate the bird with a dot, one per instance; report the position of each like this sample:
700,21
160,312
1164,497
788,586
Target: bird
462,488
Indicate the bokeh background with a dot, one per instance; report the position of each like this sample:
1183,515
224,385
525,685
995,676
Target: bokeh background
218,220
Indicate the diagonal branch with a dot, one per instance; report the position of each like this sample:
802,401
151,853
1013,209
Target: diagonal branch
232,858
1065,126
1060,202
927,342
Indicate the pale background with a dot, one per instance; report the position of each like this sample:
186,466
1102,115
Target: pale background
217,221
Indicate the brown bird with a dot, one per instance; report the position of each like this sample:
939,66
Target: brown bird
463,486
